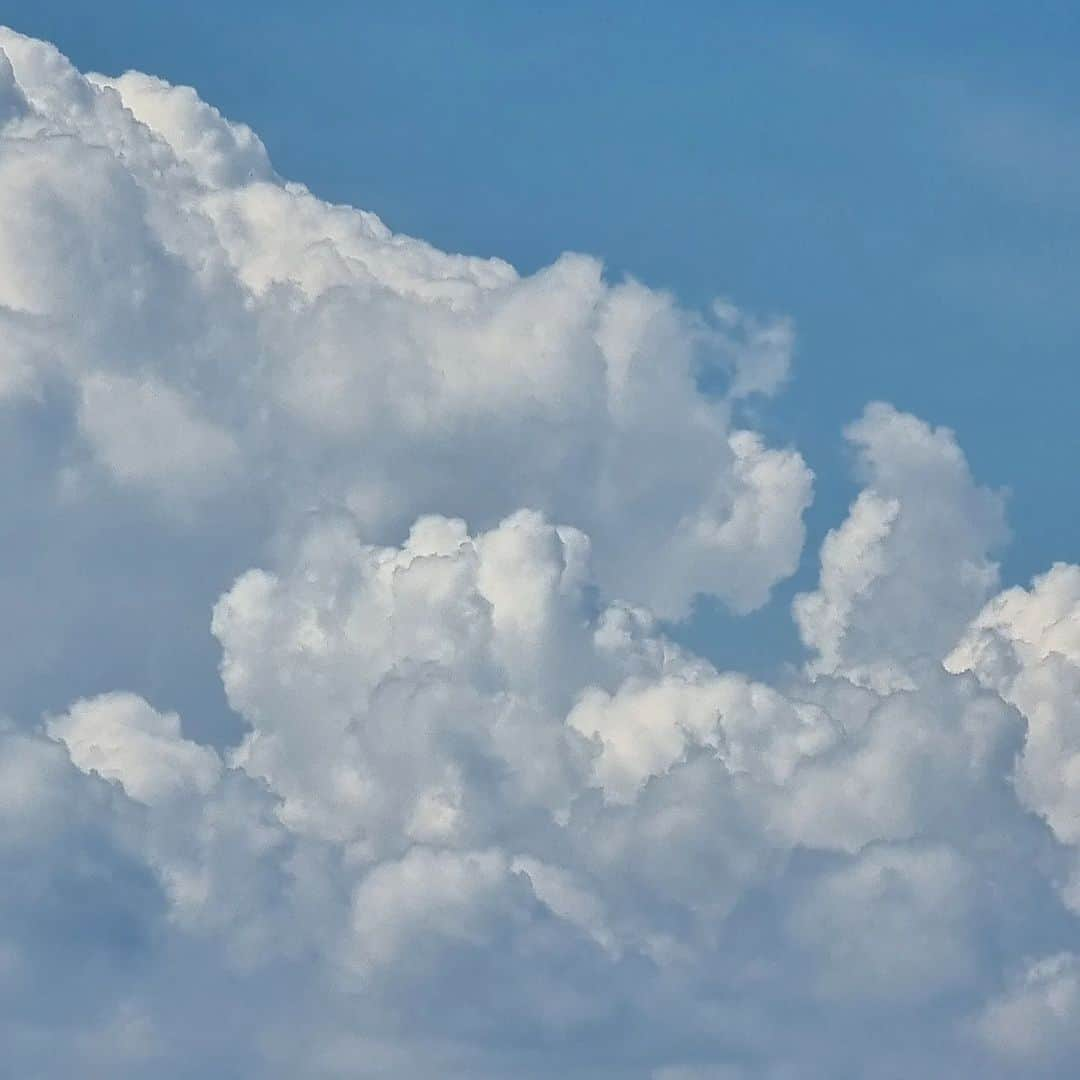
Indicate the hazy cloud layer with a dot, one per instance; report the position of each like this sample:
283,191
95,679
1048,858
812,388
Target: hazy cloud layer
485,818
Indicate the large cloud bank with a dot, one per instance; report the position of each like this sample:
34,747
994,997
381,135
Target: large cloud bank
486,818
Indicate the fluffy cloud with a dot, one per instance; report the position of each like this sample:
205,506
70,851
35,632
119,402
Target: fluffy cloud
894,924
483,816
1025,646
220,329
921,527
464,776
145,434
122,739
1034,1023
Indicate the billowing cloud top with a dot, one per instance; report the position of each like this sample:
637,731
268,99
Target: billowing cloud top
219,332
485,818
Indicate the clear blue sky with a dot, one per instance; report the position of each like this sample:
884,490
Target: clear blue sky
903,180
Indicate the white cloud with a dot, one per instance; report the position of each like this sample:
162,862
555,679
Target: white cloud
219,153
145,433
1037,1020
1025,646
302,353
122,739
910,566
486,817
449,895
894,924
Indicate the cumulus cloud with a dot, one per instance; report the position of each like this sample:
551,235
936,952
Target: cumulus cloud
145,434
1035,1021
893,924
1025,646
484,815
920,527
282,347
122,739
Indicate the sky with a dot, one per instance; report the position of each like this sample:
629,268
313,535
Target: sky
643,644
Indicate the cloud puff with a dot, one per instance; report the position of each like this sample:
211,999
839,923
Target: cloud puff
122,739
1034,1023
484,817
146,435
920,527
300,353
894,924
1025,646
464,776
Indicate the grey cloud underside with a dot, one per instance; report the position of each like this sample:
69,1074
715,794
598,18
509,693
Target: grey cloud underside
482,817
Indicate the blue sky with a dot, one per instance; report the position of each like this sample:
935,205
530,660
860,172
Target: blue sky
442,669
903,182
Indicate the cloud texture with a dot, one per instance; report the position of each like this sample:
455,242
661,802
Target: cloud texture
483,816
